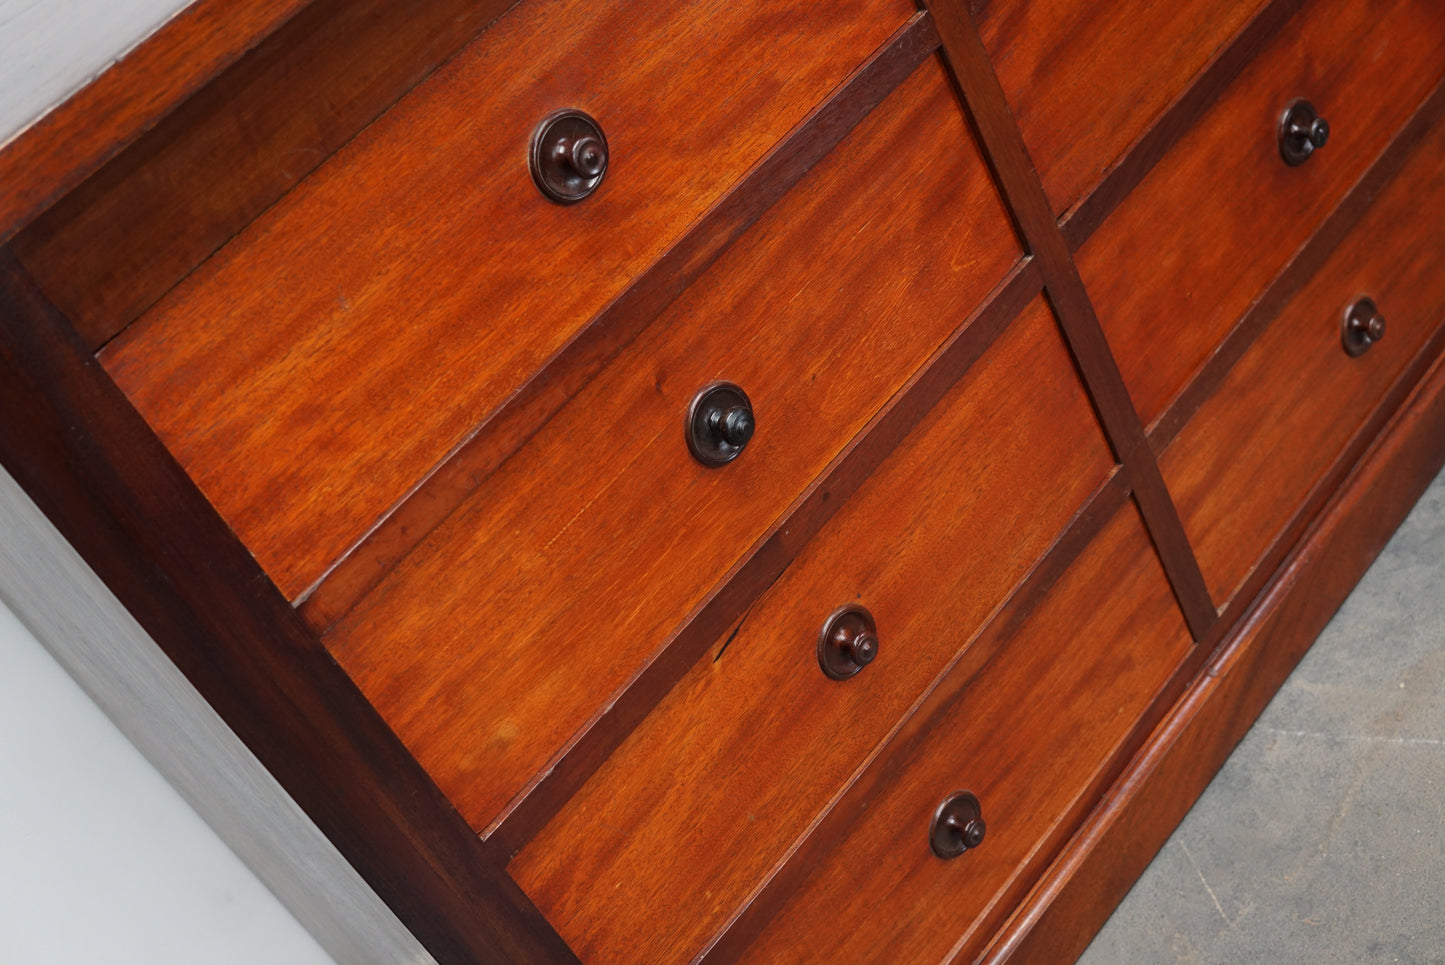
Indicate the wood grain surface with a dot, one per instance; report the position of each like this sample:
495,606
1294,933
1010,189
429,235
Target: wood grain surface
314,369
1135,820
67,145
673,833
569,568
1245,462
112,247
1222,213
590,748
89,462
1029,736
1023,192
539,398
1121,177
1085,80
1300,270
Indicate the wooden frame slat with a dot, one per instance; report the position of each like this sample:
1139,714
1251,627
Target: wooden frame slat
1024,194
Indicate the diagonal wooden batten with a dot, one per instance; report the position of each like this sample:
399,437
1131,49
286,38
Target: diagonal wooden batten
1023,193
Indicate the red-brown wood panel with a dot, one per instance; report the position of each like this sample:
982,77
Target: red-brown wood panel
65,146
1222,213
315,368
1104,860
113,246
1244,464
672,834
1028,737
1085,79
503,633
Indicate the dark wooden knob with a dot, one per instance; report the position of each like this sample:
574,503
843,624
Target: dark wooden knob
957,826
1301,132
733,426
848,641
1363,327
720,423
569,156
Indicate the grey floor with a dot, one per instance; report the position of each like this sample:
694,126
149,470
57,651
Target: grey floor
1322,840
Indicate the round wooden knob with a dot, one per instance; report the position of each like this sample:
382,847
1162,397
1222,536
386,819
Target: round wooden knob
1301,132
957,826
569,156
720,423
848,641
1363,326
733,425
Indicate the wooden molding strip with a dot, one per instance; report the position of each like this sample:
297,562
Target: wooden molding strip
881,767
115,245
1300,269
507,428
1129,827
580,758
1136,162
80,451
72,141
1024,194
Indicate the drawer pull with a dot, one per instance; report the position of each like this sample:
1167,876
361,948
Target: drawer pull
1363,327
848,641
957,825
1301,132
719,423
569,156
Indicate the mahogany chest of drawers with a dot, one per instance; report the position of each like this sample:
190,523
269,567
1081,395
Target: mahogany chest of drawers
759,482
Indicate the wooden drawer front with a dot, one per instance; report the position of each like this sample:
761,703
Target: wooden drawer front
1086,79
319,365
501,635
672,834
1246,461
1222,213
1034,737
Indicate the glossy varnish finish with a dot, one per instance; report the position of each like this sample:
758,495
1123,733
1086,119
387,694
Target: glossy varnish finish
1030,736
1300,270
318,366
1248,458
547,390
1002,140
91,464
672,834
620,685
1085,80
604,529
1222,213
1136,818
114,246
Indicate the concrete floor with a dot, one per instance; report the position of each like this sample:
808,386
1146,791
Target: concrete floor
1322,840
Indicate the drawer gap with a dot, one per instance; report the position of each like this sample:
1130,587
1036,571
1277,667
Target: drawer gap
1139,159
508,427
879,768
1299,270
745,583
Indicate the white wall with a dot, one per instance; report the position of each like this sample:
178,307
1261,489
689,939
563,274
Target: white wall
49,49
100,860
